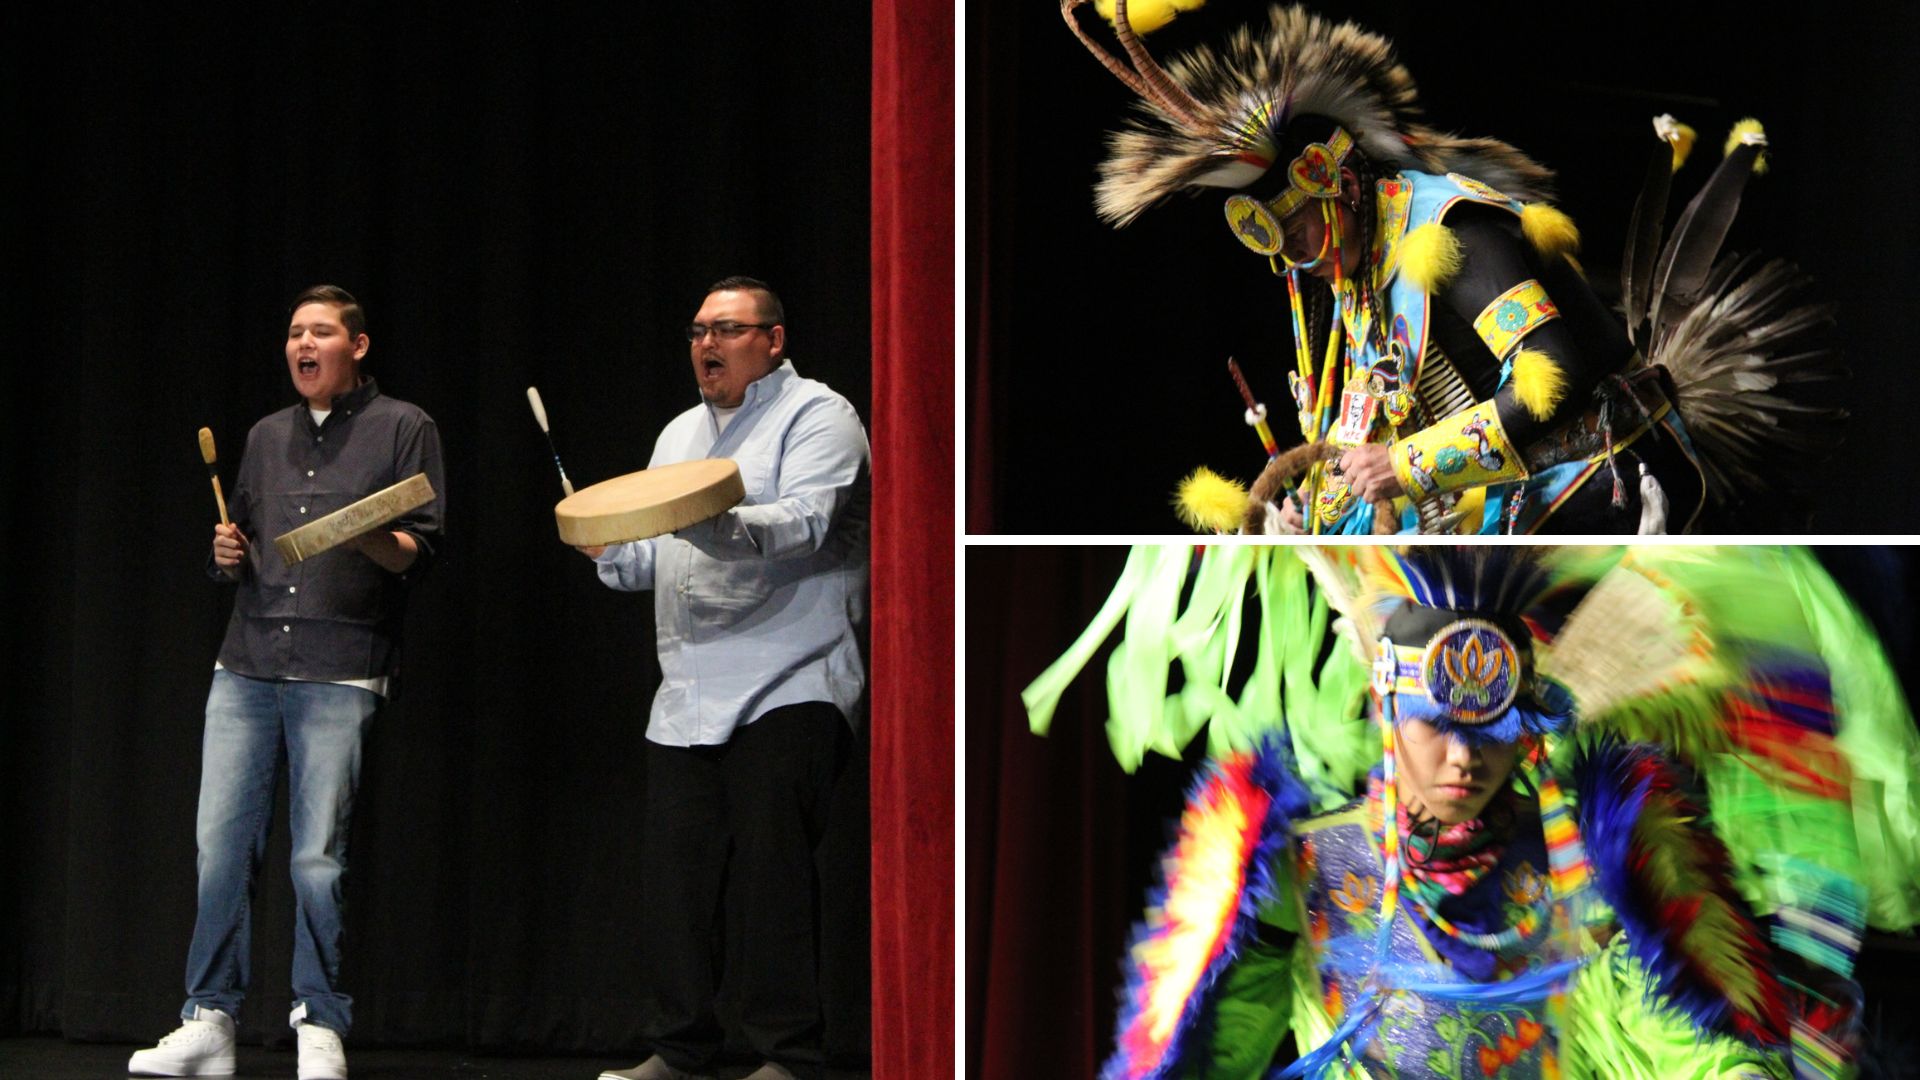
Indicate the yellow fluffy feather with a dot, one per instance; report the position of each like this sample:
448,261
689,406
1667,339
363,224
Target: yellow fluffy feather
1430,255
1209,502
1146,16
1683,140
1538,382
1745,127
1550,231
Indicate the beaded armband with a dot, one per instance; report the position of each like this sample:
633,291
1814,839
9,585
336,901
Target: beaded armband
1513,315
1466,450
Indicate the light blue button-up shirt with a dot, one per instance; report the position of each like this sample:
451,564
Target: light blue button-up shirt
765,605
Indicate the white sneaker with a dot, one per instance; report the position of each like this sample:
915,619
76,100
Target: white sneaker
321,1055
201,1046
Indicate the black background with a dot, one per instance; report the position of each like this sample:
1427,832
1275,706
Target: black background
519,195
1106,348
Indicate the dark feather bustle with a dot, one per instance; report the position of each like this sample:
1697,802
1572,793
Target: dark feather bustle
1737,360
1690,254
1643,238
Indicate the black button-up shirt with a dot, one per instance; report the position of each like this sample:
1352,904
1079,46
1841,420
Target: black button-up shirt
335,615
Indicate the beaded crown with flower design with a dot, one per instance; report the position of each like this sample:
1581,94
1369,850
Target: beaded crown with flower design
1462,623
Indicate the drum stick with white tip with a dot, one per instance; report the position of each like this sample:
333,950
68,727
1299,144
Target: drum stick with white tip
213,471
540,414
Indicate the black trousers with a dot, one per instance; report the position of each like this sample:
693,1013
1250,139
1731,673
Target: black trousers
739,823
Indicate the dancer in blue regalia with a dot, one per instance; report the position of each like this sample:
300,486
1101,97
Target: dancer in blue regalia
1538,814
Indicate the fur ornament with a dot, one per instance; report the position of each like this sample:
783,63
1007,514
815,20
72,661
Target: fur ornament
1209,502
1430,256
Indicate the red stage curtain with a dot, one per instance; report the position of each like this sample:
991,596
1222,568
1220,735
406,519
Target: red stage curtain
912,770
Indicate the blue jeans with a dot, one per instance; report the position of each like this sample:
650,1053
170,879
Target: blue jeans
248,722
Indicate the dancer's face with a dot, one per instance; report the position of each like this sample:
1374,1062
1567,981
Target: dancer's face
1306,232
1446,778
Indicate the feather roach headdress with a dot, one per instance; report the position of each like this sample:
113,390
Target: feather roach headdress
1227,117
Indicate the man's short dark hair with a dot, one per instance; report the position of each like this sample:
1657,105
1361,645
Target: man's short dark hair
351,316
771,310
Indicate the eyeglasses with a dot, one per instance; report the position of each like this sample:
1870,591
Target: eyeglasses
726,329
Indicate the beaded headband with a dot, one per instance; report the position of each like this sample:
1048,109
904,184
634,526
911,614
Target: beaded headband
1315,174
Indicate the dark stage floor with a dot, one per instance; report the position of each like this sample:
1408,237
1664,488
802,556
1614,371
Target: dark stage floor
56,1059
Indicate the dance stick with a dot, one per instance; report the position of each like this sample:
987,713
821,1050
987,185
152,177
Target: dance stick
1256,412
213,471
540,414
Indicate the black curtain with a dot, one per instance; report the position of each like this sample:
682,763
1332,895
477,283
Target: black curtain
520,195
1100,354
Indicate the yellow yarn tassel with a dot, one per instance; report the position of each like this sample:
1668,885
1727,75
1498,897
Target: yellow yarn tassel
1146,16
1538,382
1548,230
1209,502
1749,126
1430,255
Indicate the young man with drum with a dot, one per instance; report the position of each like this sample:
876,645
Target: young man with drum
761,612
309,656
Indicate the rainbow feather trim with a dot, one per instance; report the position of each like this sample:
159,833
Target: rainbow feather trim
1669,879
1220,871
